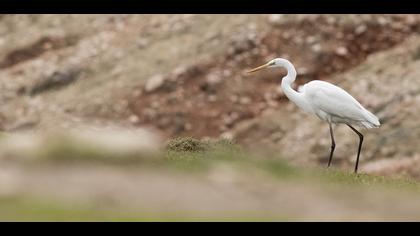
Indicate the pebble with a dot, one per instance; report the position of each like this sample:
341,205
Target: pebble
341,51
213,79
134,119
316,47
275,19
360,29
212,98
310,39
154,83
245,100
142,43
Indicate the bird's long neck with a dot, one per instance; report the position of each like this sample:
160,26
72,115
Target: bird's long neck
286,83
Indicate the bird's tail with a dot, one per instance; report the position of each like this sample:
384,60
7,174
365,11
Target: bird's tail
371,120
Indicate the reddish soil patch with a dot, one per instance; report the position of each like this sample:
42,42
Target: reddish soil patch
36,49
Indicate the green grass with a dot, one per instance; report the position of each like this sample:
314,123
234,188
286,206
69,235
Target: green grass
352,179
26,209
18,209
209,153
33,209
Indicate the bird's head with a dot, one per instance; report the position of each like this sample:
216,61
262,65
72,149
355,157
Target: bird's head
277,62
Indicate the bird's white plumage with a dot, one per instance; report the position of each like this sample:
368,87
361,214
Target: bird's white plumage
334,104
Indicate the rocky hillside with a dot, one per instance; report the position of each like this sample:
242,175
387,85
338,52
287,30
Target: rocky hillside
182,75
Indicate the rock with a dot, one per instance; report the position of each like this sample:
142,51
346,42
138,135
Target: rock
275,19
212,98
227,73
360,29
341,51
56,80
142,43
227,135
242,43
245,100
272,103
316,48
297,40
229,120
252,26
155,104
133,119
276,137
383,21
150,113
302,70
154,83
234,98
179,71
137,93
310,39
339,35
213,79
410,20
331,20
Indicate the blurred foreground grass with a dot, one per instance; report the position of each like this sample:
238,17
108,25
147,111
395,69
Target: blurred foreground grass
196,159
41,210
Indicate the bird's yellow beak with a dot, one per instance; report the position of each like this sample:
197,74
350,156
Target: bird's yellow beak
258,68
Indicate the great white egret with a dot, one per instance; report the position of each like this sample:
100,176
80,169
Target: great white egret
329,102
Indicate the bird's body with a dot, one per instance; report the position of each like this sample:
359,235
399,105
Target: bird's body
327,101
333,104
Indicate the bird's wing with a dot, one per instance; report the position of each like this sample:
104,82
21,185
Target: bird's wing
333,100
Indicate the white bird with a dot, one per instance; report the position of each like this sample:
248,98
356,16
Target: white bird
329,102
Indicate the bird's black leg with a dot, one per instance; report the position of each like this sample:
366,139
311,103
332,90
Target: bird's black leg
360,147
332,145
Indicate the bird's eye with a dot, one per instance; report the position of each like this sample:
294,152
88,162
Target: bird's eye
272,63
